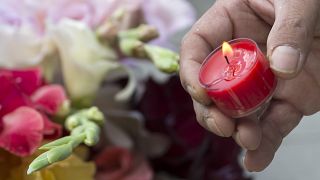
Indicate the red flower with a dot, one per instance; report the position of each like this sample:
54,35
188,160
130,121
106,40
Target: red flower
28,80
25,103
116,163
11,96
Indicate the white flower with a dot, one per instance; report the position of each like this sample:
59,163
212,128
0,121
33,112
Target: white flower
85,62
20,47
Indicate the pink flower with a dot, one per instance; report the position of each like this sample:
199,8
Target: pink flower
49,98
21,131
120,163
51,130
24,120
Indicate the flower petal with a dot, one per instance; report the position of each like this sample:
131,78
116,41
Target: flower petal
51,130
72,168
28,80
169,16
11,97
113,163
132,123
20,47
126,93
117,136
85,62
22,131
50,98
141,170
120,163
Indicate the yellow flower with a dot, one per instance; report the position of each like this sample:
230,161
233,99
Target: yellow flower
14,168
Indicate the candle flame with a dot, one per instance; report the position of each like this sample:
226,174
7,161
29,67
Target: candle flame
227,49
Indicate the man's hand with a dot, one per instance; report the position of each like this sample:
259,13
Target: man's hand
288,31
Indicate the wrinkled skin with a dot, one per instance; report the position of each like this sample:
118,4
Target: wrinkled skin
271,24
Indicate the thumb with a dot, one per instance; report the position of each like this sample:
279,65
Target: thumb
291,36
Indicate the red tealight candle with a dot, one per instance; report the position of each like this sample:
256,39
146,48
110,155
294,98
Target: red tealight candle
237,77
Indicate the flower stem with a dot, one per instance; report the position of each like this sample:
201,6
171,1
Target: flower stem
83,127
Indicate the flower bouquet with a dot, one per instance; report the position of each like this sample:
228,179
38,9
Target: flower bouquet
88,91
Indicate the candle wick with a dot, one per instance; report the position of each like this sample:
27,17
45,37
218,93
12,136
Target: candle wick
227,59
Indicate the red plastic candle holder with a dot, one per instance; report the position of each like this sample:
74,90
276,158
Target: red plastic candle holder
239,83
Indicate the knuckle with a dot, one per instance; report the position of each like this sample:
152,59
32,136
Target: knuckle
293,27
296,22
291,30
289,119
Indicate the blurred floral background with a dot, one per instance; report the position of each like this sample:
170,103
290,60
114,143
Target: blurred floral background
89,90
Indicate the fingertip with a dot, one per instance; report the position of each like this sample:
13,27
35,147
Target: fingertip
213,127
286,61
257,161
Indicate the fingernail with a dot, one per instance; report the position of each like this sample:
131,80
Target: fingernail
212,125
245,164
238,139
285,59
190,90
